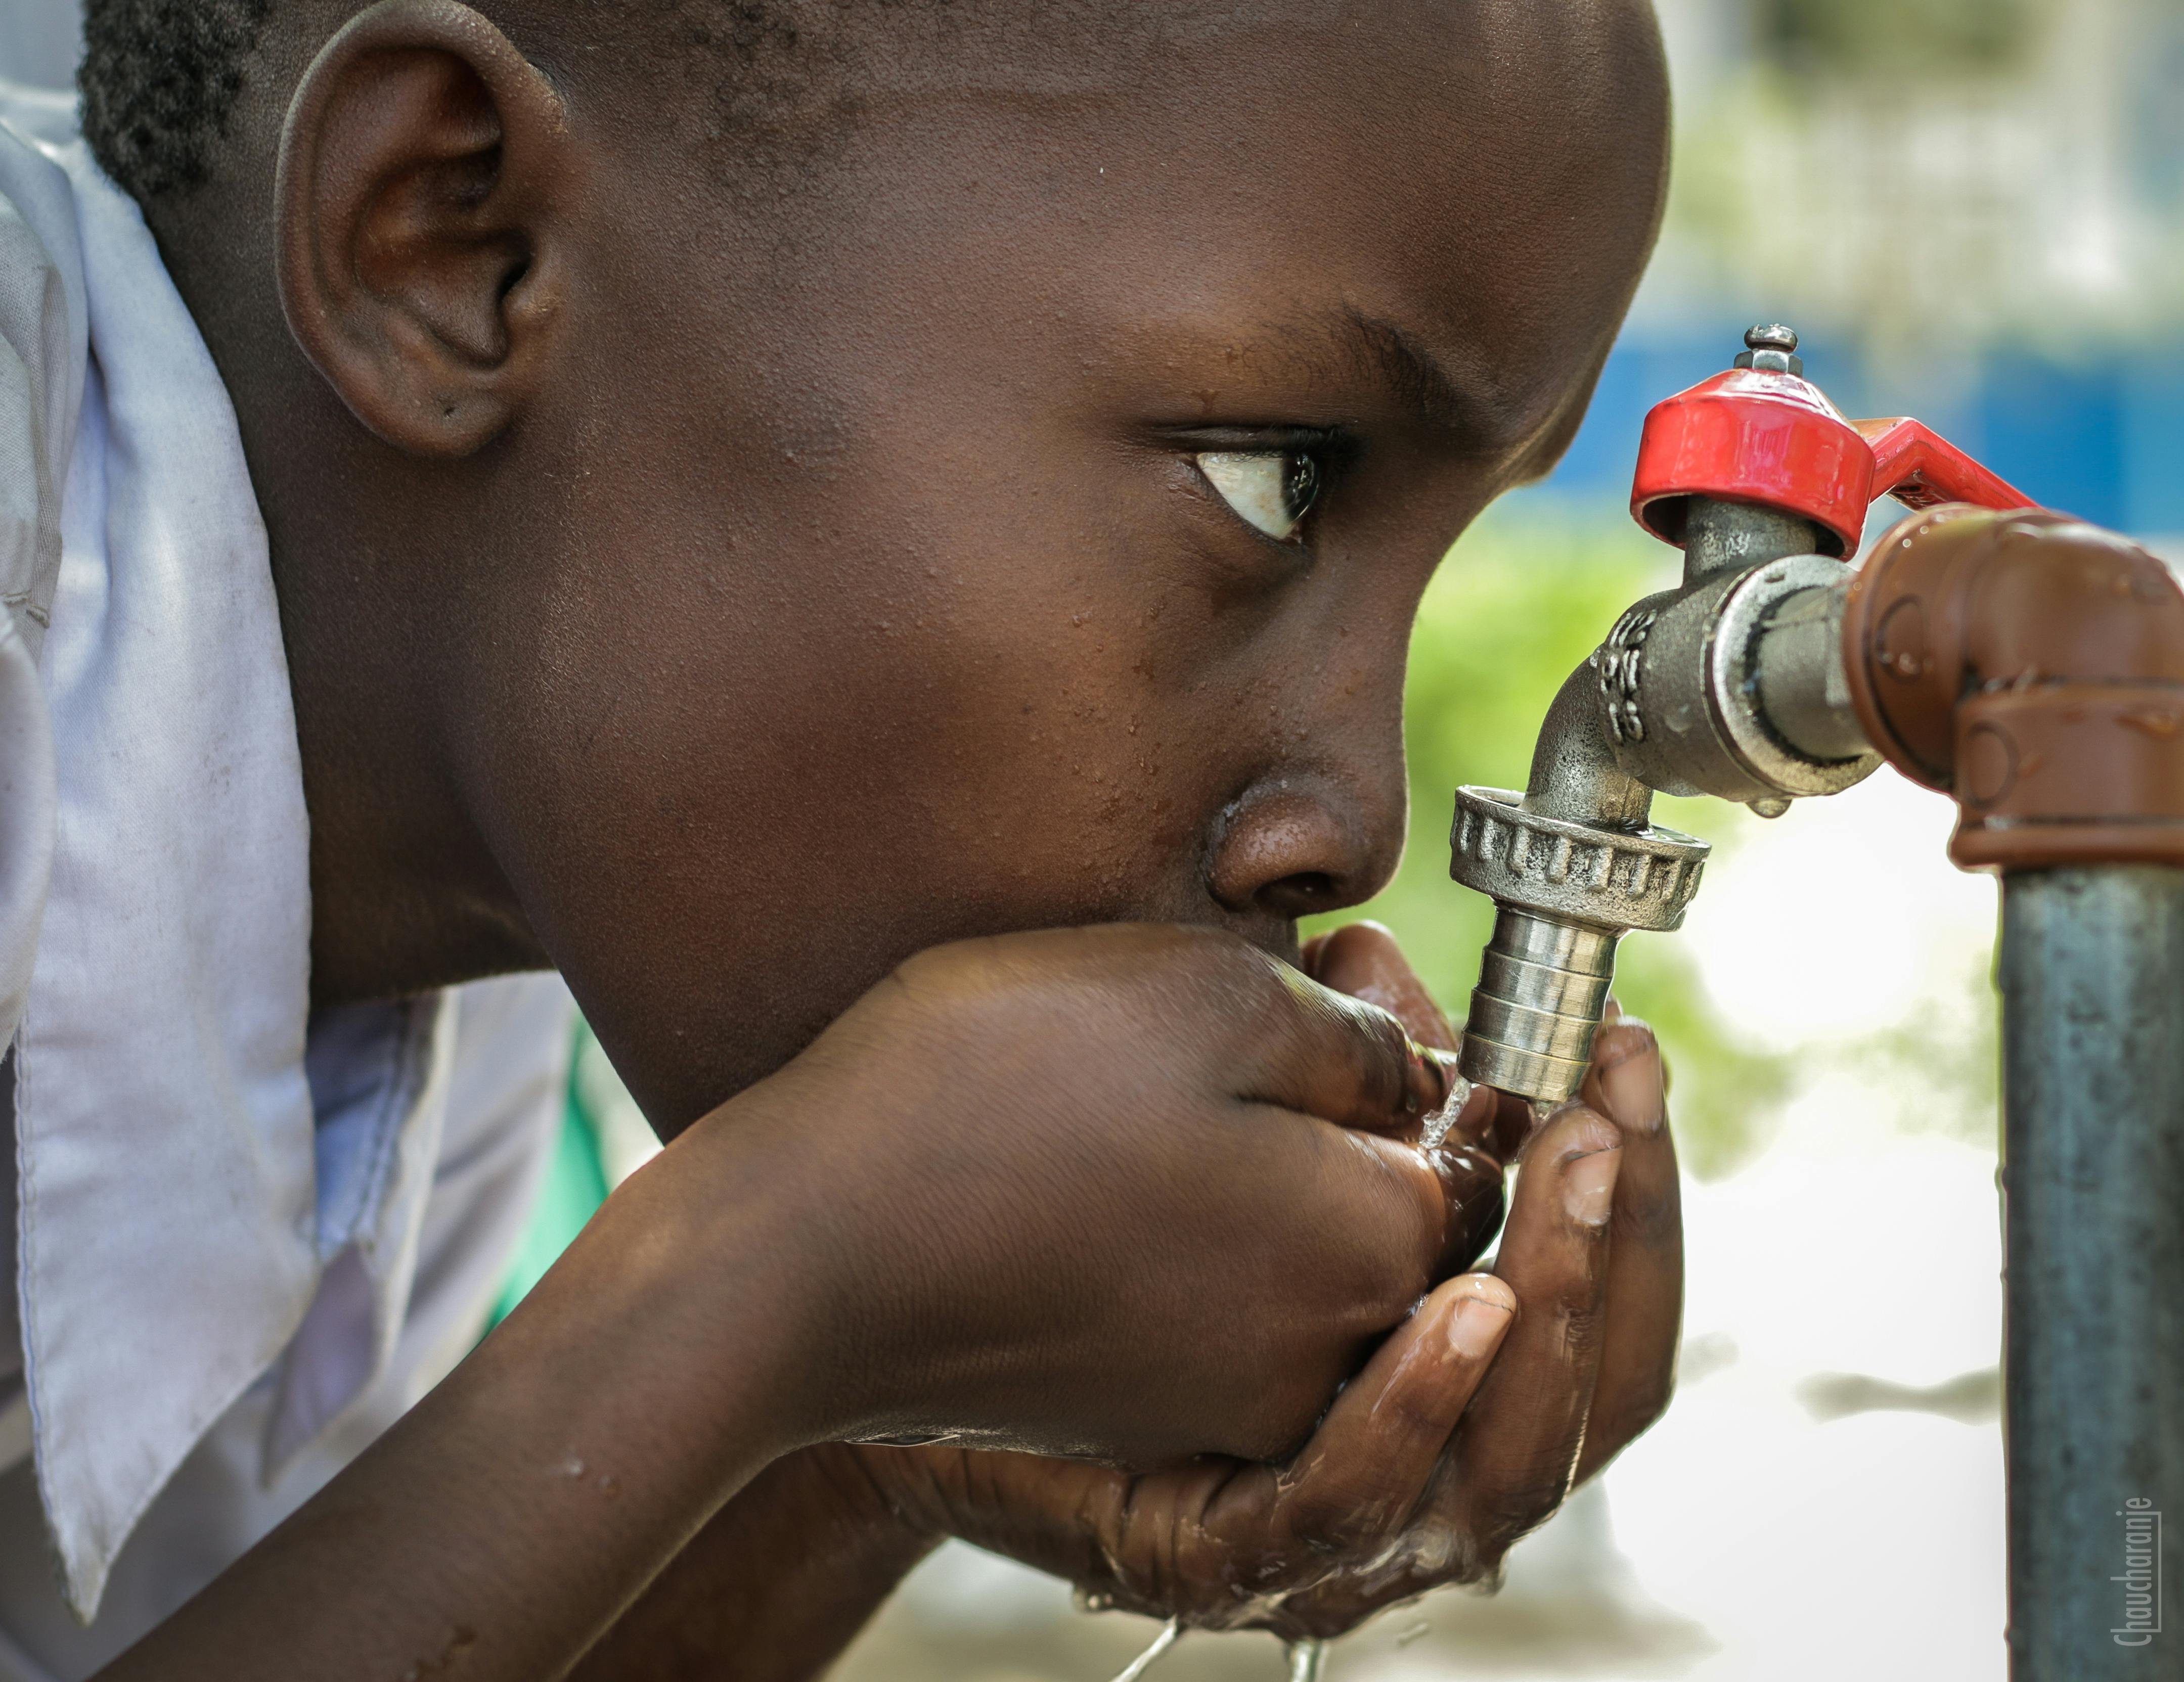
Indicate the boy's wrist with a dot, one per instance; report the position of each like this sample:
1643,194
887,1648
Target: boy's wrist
744,1282
771,1262
776,1584
690,1293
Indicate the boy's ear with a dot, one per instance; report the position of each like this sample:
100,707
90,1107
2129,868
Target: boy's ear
425,172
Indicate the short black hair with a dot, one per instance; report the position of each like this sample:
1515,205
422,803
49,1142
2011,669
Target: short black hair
158,79
774,85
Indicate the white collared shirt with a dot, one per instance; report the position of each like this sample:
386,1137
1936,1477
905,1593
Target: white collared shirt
246,1238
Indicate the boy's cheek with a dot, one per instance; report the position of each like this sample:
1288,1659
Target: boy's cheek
766,867
967,755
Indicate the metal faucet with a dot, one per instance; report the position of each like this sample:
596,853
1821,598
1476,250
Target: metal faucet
2032,667
1727,685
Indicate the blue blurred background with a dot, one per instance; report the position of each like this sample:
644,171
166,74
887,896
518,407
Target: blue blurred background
1973,209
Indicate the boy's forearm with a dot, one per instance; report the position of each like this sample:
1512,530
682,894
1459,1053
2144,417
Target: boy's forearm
504,1524
774,1588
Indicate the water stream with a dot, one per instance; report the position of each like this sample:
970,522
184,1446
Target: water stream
1308,1659
1438,1123
1171,1632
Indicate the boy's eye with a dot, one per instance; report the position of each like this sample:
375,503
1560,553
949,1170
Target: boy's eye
1271,489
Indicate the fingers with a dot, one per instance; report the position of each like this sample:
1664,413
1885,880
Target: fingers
1349,1062
1362,959
1515,1444
1373,1456
1503,1124
1185,1542
1645,1271
1519,1445
1474,1189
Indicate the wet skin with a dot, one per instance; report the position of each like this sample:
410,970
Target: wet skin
725,579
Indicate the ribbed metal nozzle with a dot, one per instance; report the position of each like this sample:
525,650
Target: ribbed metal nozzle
1541,987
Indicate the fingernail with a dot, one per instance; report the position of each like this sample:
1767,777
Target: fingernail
1631,1078
1477,1326
1588,1186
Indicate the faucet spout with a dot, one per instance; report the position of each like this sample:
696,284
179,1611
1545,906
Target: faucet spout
1576,774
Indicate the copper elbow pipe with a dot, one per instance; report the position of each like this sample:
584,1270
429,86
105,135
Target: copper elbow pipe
2031,666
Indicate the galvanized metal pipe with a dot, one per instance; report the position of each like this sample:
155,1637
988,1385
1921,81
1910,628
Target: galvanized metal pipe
2092,978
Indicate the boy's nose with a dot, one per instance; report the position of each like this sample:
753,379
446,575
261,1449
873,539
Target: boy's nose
1302,846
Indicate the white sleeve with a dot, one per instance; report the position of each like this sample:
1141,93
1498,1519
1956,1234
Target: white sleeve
42,324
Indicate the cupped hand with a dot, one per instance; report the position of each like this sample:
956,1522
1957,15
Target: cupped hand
1466,1429
1130,1193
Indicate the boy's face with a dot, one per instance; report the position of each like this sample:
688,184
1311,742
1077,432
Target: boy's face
885,594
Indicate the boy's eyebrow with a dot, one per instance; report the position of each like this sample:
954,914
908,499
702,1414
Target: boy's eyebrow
1437,400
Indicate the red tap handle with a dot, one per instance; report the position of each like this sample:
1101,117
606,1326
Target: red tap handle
1770,436
1920,468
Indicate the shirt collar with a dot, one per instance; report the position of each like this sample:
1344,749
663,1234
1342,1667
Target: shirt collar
44,323
173,1229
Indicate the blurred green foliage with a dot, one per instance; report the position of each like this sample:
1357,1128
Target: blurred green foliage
1944,1067
1519,603
1896,39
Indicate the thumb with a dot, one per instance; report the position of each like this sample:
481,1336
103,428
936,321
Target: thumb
1362,959
1343,1061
